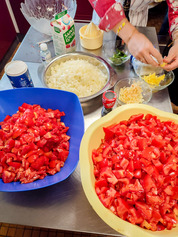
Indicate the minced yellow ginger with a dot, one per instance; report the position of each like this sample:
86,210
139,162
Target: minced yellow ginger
132,94
152,79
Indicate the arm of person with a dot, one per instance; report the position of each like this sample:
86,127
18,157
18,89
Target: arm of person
138,44
109,11
112,17
172,59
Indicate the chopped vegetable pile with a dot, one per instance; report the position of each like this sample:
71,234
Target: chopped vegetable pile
118,57
131,94
153,79
33,144
136,171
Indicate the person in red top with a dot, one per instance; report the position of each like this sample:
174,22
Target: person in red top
112,17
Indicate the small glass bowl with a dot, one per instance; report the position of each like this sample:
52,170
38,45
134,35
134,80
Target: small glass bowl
126,83
110,49
142,69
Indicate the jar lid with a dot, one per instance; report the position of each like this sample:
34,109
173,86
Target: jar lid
109,98
15,68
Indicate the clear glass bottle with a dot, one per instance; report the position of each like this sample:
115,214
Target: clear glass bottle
45,53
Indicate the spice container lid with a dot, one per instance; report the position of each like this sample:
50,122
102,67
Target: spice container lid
15,68
109,98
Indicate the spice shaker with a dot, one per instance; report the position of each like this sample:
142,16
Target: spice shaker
108,99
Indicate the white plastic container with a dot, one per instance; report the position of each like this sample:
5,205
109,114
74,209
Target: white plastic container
18,74
91,37
63,33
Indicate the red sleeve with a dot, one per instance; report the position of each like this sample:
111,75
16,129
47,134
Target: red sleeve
110,12
172,15
101,6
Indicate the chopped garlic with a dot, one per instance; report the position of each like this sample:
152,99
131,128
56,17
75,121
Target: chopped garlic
132,94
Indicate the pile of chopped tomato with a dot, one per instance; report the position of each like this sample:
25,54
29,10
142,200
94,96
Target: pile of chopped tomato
136,171
33,143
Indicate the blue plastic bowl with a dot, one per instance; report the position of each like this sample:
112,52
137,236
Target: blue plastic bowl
65,101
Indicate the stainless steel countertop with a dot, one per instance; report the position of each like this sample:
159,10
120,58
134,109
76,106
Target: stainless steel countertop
63,206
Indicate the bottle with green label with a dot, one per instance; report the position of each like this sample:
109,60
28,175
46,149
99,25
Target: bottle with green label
63,33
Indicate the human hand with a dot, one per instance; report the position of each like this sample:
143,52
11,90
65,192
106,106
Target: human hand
172,59
143,50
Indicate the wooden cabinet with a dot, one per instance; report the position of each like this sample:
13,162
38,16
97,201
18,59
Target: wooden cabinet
7,30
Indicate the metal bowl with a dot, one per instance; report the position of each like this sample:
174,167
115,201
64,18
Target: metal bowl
92,102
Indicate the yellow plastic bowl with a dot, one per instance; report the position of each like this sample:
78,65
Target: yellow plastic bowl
90,43
91,140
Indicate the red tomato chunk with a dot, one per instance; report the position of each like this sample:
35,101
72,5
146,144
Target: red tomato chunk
33,144
136,171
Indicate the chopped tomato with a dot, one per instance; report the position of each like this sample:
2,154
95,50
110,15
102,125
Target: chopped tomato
33,143
16,165
136,171
145,210
122,208
136,117
8,176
